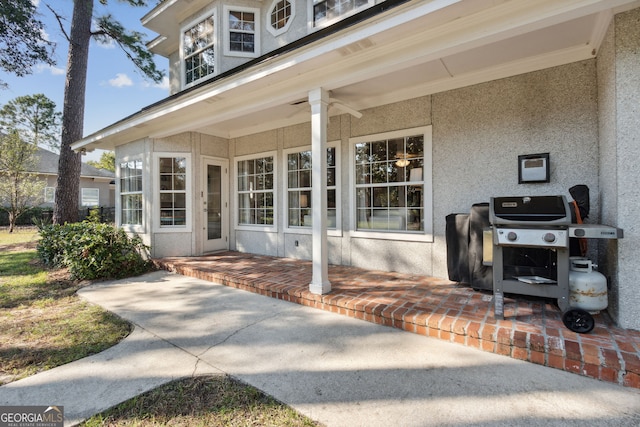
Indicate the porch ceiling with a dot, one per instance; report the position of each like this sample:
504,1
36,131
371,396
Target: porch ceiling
416,49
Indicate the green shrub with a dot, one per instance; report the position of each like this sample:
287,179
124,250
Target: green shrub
93,250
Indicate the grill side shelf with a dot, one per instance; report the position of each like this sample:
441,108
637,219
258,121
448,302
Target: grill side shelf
595,231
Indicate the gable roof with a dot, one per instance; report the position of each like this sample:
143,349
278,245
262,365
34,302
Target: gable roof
47,164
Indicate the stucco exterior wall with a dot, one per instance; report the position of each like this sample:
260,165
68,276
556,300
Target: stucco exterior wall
208,145
171,244
608,164
297,29
478,133
175,73
619,123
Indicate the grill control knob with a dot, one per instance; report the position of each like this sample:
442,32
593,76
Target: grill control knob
512,236
549,237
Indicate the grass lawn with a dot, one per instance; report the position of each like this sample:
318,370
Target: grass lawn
43,324
201,401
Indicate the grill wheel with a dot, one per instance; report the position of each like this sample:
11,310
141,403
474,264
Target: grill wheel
578,320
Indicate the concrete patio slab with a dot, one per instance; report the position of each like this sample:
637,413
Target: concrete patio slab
337,370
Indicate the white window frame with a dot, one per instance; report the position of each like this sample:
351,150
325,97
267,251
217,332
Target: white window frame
209,13
83,195
227,31
256,227
426,235
278,31
120,193
49,194
155,171
335,231
312,20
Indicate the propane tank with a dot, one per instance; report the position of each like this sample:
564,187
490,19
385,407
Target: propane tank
587,287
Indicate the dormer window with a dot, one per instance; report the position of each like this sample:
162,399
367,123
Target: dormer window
326,12
280,16
242,28
198,50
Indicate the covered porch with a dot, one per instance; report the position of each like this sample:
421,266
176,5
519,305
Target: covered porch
438,308
491,80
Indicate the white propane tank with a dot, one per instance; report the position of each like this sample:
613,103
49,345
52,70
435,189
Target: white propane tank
587,288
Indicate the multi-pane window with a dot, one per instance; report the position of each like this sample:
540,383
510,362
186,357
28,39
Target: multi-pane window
49,194
280,14
198,50
325,11
389,184
242,31
131,192
90,197
173,191
299,188
256,191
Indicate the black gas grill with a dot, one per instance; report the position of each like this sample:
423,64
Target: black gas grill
530,253
530,248
530,211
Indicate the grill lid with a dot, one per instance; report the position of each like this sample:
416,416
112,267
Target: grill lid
529,210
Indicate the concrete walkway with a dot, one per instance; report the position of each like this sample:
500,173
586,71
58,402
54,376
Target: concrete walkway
453,312
337,370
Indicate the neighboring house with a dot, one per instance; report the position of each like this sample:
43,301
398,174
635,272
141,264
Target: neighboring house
402,111
97,186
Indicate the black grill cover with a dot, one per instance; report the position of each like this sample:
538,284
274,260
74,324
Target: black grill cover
464,235
481,275
457,237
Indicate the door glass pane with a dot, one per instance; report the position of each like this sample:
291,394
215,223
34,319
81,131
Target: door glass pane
214,202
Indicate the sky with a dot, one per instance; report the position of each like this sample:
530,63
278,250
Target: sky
115,89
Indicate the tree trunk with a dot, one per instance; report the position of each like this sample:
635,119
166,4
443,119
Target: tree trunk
68,183
12,222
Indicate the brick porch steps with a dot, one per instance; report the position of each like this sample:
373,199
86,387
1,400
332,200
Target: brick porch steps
532,329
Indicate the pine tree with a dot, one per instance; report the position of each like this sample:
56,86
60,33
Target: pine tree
22,40
66,206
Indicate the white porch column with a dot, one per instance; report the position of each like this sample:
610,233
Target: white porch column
319,100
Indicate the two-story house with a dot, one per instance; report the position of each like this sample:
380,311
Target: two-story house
344,131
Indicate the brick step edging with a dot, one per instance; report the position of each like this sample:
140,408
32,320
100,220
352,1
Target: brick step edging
550,351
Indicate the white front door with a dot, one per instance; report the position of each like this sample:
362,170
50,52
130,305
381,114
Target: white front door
215,204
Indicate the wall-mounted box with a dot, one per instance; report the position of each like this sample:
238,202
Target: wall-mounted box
533,168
